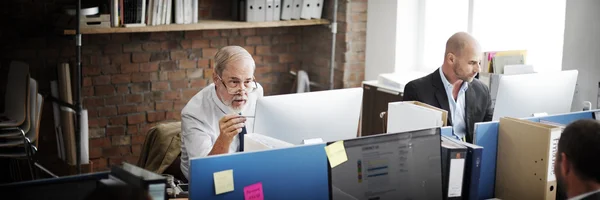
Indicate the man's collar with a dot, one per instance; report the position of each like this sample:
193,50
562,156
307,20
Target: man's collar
447,83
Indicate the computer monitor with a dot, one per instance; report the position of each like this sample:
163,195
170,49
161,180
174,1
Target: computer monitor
526,94
330,115
390,166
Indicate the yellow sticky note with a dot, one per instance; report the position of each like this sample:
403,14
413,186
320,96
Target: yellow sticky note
336,153
223,181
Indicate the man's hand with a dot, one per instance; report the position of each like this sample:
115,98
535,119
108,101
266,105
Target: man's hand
231,125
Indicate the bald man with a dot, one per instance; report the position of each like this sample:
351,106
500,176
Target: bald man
453,87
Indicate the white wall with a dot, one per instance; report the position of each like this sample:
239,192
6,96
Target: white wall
582,48
381,38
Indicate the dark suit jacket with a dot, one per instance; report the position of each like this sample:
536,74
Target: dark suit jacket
430,90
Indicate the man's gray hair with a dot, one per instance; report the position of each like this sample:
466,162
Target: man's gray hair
229,54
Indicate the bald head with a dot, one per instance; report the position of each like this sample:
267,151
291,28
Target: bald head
457,43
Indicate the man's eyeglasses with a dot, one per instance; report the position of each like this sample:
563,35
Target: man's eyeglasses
235,86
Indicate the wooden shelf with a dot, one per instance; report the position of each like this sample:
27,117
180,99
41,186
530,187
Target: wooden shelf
202,25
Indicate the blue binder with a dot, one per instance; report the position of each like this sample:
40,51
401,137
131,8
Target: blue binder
298,172
472,169
447,131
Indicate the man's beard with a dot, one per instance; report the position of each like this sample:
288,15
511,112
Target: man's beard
467,78
240,108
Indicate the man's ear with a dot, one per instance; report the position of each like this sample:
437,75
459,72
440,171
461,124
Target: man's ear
565,166
450,58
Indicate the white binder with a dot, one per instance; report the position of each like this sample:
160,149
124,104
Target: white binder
261,10
317,9
297,9
286,9
269,10
307,9
276,10
250,7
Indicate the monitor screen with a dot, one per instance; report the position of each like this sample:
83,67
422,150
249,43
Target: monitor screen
390,166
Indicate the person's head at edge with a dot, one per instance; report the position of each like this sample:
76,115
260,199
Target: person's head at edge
577,164
462,58
233,74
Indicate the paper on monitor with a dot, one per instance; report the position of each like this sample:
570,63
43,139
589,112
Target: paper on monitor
257,142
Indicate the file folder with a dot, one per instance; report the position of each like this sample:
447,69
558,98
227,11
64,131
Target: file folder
307,9
526,155
269,10
286,9
413,115
276,10
297,9
317,9
453,168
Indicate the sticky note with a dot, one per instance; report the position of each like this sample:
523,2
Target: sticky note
254,192
223,181
336,153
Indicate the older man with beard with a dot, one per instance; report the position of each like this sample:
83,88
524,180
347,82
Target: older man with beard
213,120
453,87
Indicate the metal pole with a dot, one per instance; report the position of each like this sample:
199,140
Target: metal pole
78,86
333,37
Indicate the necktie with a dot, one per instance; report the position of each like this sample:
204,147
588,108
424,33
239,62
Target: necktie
241,135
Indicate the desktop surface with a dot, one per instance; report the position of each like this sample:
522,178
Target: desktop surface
390,166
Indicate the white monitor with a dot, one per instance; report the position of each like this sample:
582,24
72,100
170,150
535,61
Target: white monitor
523,95
331,115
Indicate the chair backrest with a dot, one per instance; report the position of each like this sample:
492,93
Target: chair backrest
161,148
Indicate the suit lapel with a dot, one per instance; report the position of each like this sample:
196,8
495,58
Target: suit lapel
469,110
440,94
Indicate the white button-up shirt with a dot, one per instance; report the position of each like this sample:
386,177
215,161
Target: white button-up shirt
457,108
200,124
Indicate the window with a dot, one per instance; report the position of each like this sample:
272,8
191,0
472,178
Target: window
534,25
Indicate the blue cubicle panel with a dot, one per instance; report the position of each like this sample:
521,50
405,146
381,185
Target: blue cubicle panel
299,172
447,131
486,135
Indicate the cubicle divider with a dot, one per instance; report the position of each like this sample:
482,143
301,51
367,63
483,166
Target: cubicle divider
486,135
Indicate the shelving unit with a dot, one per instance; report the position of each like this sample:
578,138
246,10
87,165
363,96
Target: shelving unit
202,25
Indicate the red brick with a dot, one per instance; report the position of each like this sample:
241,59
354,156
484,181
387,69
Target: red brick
127,109
286,58
287,39
97,132
168,65
107,112
173,115
196,44
118,120
172,95
239,41
257,60
169,45
119,38
137,139
132,129
358,6
179,84
187,64
95,152
140,87
186,44
250,49
179,55
99,142
99,60
208,74
218,42
117,151
266,40
149,67
159,86
87,91
195,54
156,116
198,84
279,48
140,57
263,31
165,105
271,59
159,36
253,40
210,33
120,58
203,63
99,164
176,75
178,106
248,32
93,102
86,81
296,48
159,56
144,77
121,140
193,34
90,71
263,50
110,69
189,93
359,17
136,149
115,130
92,113
132,47
209,52
114,100
134,98
103,90
98,122
115,161
163,75
112,49
136,118
101,80
151,46
150,97
133,159
130,68
145,107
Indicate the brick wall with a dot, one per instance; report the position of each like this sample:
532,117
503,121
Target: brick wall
133,81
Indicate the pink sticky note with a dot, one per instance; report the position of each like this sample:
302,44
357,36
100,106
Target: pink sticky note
254,192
